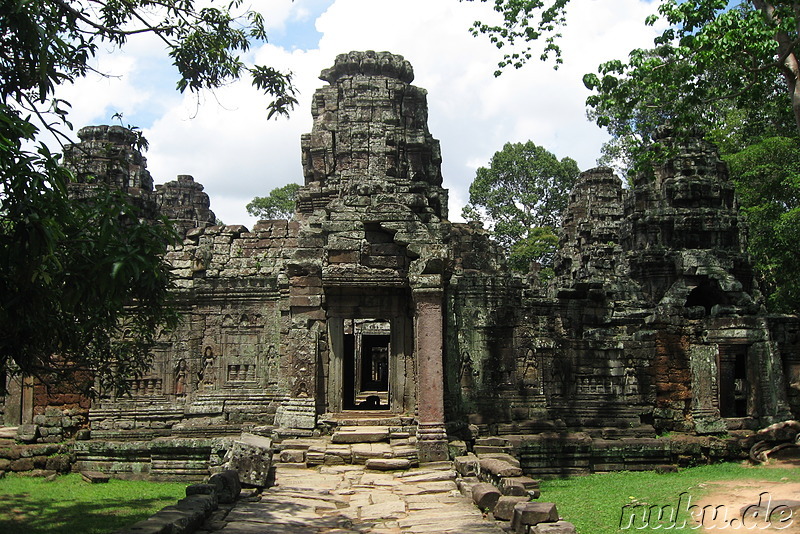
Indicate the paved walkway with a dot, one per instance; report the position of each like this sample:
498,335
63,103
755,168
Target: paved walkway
346,499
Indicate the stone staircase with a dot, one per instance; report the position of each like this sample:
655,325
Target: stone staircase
381,443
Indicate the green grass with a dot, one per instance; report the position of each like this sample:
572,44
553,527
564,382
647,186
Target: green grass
594,503
68,505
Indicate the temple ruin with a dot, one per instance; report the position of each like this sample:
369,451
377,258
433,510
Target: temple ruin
370,305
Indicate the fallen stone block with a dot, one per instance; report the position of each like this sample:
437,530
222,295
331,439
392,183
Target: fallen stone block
465,485
532,513
501,456
251,457
498,468
95,477
227,484
504,509
202,503
559,527
661,469
519,486
293,456
466,466
201,489
527,482
388,464
485,496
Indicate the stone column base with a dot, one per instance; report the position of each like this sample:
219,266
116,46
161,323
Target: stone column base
432,443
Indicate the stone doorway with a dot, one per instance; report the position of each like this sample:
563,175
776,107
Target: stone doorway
370,352
366,380
734,383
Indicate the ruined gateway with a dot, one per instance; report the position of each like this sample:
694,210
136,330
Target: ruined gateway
369,305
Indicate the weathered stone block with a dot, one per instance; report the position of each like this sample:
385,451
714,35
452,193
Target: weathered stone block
95,477
527,484
504,509
228,486
559,527
23,464
201,489
485,496
498,468
388,464
293,456
532,513
467,466
60,463
360,434
27,433
251,457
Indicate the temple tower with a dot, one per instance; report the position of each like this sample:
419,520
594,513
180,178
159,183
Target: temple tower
366,283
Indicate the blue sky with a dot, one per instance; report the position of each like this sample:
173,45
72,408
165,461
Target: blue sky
299,32
224,140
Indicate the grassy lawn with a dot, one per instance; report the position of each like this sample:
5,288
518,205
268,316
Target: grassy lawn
594,503
69,505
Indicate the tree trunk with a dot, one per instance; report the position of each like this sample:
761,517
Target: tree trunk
790,67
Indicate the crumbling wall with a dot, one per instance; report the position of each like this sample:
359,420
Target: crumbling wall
652,323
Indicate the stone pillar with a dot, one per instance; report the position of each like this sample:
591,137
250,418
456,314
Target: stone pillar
431,434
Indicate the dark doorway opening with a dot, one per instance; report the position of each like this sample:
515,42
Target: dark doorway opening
374,363
733,383
366,368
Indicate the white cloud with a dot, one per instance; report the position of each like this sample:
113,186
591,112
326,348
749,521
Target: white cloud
237,154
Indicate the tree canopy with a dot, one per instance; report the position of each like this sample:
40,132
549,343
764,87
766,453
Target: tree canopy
710,56
522,195
767,176
279,204
83,284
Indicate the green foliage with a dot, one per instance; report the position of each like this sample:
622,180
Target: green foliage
713,69
540,246
54,42
522,195
83,284
525,21
279,204
716,67
68,505
598,512
767,177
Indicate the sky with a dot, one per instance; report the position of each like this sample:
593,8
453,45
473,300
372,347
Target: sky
225,141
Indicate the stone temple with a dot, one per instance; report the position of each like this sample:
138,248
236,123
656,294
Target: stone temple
370,307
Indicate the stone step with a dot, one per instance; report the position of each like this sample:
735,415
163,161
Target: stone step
367,418
360,434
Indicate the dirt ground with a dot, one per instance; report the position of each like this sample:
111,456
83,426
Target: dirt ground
753,505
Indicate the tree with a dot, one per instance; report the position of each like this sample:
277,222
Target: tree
279,204
522,195
767,177
83,284
709,52
627,108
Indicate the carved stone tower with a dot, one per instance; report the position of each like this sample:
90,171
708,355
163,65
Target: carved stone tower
366,281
